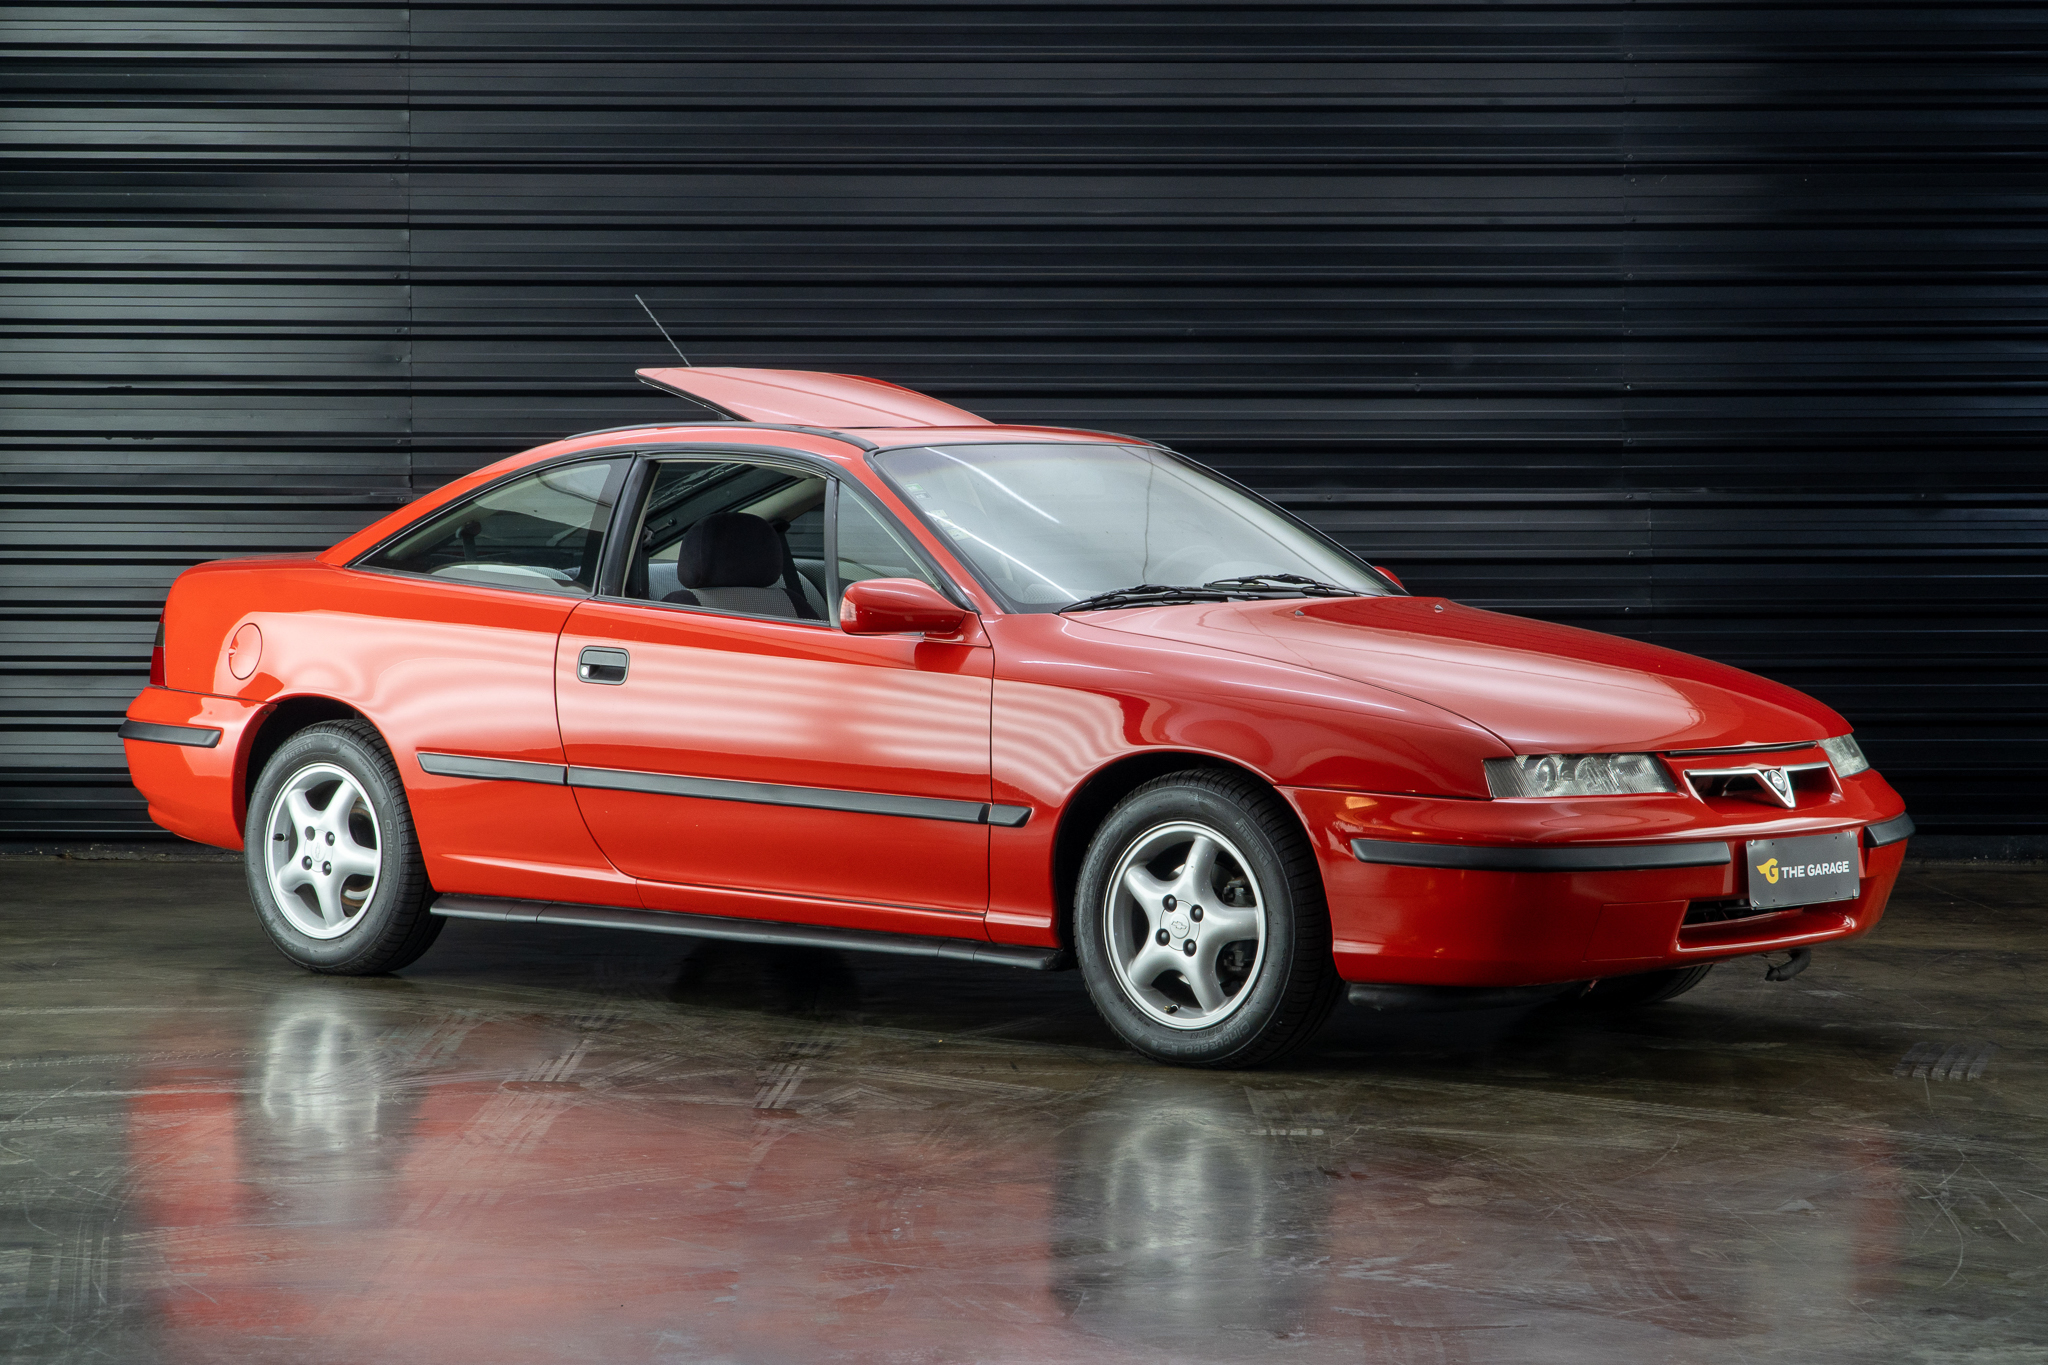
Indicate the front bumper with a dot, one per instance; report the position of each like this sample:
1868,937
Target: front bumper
1443,892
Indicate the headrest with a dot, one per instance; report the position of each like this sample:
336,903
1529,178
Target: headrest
730,550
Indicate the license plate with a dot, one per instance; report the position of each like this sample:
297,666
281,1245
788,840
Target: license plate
1809,871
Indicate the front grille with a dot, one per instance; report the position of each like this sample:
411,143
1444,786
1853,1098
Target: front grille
1810,783
1720,912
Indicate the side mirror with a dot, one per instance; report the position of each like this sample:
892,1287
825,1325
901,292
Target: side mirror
1384,572
894,606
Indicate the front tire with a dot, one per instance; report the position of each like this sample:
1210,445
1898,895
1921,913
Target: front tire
1200,923
333,864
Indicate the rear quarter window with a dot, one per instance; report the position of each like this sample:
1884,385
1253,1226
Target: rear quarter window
544,533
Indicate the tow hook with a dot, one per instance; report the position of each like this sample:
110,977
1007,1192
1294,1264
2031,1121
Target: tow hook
1793,966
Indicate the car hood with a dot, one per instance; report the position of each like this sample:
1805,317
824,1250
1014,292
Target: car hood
1541,688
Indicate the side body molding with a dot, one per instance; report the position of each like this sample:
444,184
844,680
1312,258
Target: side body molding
724,789
492,769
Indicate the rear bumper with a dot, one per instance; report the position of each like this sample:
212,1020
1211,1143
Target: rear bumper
1409,905
186,755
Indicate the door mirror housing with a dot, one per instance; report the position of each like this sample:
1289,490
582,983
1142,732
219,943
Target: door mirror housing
895,606
1384,572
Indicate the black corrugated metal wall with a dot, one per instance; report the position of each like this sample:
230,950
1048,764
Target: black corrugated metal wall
1715,324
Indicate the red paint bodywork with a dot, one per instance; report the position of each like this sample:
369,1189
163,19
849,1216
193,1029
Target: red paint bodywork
790,704
1371,716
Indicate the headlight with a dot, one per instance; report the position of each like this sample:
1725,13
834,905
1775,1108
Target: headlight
1847,756
1577,775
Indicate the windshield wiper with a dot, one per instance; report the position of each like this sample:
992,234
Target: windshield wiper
1283,584
1154,594
1249,588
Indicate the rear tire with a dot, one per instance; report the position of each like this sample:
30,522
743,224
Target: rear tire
333,863
1200,923
1645,988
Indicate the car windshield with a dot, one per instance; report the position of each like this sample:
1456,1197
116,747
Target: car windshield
1049,525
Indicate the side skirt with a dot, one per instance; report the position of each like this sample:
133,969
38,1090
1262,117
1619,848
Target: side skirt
746,930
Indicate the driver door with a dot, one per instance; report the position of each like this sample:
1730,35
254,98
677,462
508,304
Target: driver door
734,755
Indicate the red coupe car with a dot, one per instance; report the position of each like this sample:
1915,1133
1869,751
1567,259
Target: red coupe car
846,665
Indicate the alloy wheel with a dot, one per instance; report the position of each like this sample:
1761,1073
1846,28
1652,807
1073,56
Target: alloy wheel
323,851
1184,925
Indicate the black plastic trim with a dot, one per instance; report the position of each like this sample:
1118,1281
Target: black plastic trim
580,595
596,663
1744,749
1889,831
622,532
492,769
1396,998
774,794
829,433
613,431
1581,858
698,609
1022,437
154,732
719,789
745,930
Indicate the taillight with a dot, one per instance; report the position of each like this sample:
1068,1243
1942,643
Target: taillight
156,658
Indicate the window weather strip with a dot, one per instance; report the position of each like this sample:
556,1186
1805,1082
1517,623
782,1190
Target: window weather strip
725,789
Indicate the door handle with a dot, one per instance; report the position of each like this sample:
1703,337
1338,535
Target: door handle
596,665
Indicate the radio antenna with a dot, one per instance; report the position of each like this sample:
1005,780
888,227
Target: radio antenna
663,330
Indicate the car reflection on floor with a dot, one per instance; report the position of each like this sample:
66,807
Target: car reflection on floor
386,1179
563,1145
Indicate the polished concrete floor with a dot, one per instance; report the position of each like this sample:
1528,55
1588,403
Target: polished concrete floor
552,1145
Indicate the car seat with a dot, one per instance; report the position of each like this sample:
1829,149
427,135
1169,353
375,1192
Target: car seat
734,561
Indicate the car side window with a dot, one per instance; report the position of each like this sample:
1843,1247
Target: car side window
544,533
869,547
732,536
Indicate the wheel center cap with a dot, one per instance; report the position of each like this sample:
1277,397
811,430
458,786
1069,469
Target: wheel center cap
1178,926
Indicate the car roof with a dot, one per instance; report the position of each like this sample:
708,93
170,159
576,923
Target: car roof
806,410
809,398
868,414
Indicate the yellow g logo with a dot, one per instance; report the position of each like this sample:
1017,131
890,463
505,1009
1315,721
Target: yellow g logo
1770,871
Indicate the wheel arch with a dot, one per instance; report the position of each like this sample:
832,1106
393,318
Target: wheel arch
1096,797
285,719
